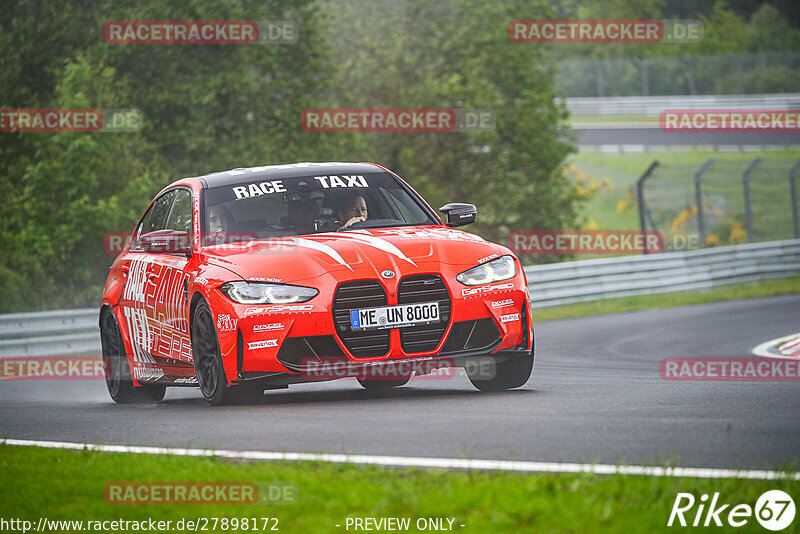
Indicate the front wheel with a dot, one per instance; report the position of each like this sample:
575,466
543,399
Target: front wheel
500,376
117,370
208,364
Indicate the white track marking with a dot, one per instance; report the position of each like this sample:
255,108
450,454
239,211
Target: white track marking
763,349
411,461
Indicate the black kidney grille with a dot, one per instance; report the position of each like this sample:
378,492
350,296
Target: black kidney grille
424,288
356,295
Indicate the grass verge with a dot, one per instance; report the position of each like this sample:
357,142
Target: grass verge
768,288
624,169
613,206
69,485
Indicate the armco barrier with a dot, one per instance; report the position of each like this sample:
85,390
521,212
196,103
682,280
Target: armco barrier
50,333
76,331
581,281
654,105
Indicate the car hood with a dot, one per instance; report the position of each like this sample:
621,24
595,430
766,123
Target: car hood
360,253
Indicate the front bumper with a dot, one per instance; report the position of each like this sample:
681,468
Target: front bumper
271,340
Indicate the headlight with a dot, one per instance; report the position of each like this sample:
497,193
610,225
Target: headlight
260,293
502,268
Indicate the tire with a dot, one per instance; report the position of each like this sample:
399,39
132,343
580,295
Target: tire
117,370
509,374
208,364
379,385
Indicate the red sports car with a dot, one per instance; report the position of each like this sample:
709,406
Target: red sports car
255,279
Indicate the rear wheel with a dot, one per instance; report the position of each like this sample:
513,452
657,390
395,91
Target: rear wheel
500,376
208,364
117,370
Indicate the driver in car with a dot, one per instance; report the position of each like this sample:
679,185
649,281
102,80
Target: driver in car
352,210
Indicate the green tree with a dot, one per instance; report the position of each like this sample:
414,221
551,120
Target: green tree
213,107
448,55
206,108
771,31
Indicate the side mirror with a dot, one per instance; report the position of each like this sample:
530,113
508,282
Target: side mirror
458,214
166,241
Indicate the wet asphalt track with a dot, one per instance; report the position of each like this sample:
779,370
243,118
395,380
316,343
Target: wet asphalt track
596,396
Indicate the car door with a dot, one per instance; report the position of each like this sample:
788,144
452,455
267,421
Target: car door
166,272
138,297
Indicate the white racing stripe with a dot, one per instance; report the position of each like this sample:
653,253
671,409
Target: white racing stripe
376,242
411,461
321,247
763,349
791,343
303,243
364,239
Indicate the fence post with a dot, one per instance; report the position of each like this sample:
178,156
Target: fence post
689,61
698,199
645,79
739,73
640,199
748,212
601,85
793,190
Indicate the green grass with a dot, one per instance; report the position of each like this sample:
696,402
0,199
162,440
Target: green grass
69,485
623,170
768,288
636,163
769,188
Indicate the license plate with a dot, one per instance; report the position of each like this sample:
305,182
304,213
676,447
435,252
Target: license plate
394,316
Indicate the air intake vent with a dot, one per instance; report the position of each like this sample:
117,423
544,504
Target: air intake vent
299,353
481,334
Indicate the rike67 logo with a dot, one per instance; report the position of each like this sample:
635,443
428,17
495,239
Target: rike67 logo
774,510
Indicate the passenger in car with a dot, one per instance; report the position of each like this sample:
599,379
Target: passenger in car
218,225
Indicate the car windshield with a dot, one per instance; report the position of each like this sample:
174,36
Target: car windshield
284,207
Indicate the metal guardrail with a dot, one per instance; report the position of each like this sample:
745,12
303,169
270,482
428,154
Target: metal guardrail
51,332
654,105
581,281
76,331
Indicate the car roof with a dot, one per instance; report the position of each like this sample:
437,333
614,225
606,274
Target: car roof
239,175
